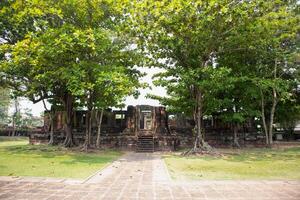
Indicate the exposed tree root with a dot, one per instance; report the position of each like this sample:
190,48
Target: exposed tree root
86,147
202,149
51,141
236,144
68,142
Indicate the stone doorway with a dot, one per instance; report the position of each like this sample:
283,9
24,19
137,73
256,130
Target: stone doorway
146,120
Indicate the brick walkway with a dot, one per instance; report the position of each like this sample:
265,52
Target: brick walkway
143,176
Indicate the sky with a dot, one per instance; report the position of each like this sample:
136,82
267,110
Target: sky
38,108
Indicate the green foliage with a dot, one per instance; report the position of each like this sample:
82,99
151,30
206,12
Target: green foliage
288,114
179,97
227,50
71,53
70,47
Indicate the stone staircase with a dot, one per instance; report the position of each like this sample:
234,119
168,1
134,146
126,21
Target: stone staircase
145,143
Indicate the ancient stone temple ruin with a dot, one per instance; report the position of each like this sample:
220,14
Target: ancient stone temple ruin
147,128
140,128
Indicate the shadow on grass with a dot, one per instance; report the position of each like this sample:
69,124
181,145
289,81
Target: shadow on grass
14,138
267,155
253,155
2,167
88,160
73,157
42,150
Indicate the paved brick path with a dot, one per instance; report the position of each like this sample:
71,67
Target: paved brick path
143,176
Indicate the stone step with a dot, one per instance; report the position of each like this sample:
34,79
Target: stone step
145,143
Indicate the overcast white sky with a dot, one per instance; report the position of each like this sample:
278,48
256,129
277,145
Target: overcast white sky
38,108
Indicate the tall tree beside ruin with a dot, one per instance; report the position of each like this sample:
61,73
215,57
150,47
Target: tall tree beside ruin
20,21
288,112
106,64
106,78
112,88
214,83
59,40
278,29
266,58
188,37
237,105
185,38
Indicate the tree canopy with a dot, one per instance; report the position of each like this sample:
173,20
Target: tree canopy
220,55
235,59
72,52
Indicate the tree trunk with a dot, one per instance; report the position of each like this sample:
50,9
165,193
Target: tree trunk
235,136
68,101
51,140
13,126
51,118
99,122
274,103
87,142
199,145
198,119
90,128
16,104
264,117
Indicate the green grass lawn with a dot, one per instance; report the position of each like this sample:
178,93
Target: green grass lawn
268,164
18,158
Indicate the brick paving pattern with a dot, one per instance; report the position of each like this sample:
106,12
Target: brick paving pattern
143,176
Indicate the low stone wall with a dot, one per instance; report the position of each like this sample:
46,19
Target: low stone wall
119,142
161,143
5,132
36,138
122,142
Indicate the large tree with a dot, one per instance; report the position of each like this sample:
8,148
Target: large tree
266,57
185,37
58,49
106,78
188,38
